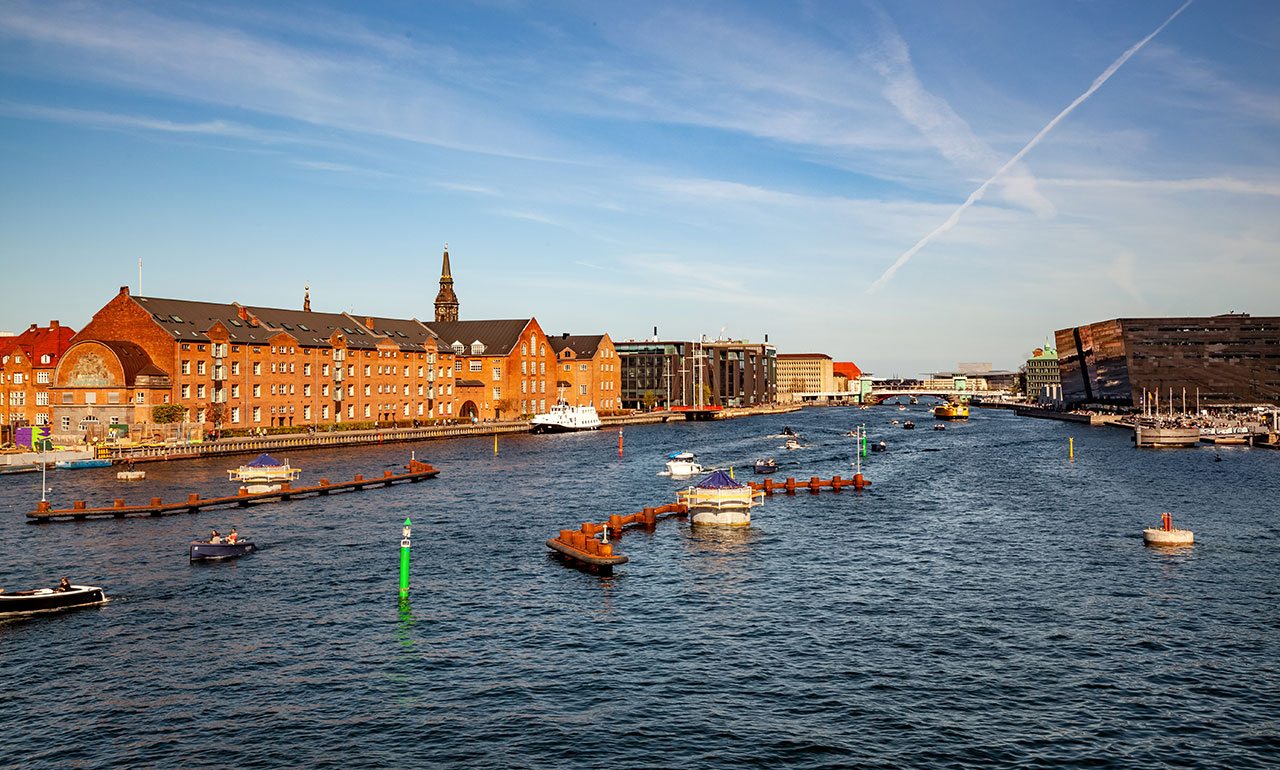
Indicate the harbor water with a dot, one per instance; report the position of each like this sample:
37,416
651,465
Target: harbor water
987,602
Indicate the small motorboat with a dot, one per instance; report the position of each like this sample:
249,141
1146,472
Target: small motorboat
939,426
909,425
72,465
787,431
879,447
42,599
792,443
25,468
902,408
683,464
766,466
203,549
893,422
915,400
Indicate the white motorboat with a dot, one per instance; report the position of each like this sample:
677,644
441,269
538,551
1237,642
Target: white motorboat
563,418
719,499
683,464
264,474
792,443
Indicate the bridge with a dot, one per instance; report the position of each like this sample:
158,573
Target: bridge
952,395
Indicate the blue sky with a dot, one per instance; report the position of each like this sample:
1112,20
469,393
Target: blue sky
613,167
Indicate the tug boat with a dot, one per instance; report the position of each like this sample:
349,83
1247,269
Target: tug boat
766,466
563,418
951,412
42,599
264,474
720,500
683,464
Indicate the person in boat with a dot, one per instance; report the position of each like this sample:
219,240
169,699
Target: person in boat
214,537
64,586
233,537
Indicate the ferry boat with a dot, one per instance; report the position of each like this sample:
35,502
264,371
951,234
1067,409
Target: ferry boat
683,464
264,474
951,412
563,418
720,500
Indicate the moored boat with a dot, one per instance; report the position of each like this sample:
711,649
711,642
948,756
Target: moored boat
720,500
78,464
563,418
766,466
951,412
203,549
264,474
24,468
42,599
683,464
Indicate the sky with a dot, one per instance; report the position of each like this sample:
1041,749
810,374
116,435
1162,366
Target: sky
903,185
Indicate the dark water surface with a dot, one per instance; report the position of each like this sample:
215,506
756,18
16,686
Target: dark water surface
986,603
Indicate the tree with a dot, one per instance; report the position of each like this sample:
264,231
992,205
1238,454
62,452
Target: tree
649,399
708,395
216,413
168,413
507,404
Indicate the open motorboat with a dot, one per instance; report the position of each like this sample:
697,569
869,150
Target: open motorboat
42,599
909,425
902,408
683,464
203,549
719,499
879,447
939,426
563,418
787,431
264,474
792,443
766,466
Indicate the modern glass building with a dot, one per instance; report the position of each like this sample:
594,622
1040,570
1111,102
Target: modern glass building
738,373
1222,360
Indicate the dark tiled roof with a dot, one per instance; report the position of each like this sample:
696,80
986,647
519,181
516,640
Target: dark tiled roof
409,334
498,337
582,345
188,320
469,384
313,329
133,359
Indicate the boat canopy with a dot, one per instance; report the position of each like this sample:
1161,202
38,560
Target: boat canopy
719,480
681,456
265,460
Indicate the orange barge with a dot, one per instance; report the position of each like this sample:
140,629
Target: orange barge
416,471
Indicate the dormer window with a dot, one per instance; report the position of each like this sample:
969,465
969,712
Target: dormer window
458,347
477,348
44,359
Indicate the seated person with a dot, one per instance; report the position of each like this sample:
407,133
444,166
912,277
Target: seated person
233,537
214,538
65,585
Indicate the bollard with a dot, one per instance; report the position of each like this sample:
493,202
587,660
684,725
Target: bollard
119,503
404,559
78,505
155,502
192,497
359,477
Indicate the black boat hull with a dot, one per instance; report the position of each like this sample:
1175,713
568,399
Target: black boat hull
44,599
201,551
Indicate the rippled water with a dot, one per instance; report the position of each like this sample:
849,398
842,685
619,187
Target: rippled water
985,602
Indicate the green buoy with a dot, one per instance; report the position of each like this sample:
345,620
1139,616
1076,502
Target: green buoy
404,560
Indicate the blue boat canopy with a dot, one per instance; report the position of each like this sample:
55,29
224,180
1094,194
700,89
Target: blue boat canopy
265,460
719,480
674,455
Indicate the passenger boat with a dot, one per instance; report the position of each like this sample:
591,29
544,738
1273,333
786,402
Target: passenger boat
203,549
563,418
766,466
909,425
683,464
42,599
264,474
951,412
792,443
77,464
720,500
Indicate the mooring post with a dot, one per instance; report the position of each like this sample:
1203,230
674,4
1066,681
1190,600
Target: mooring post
404,559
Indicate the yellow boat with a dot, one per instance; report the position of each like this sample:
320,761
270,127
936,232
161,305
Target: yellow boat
951,412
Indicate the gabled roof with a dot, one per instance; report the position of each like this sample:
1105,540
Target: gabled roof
189,320
498,337
39,341
582,345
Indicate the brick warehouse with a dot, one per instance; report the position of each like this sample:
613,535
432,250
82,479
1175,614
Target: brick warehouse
588,370
27,364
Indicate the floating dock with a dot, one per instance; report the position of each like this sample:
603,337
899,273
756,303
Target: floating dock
416,471
814,484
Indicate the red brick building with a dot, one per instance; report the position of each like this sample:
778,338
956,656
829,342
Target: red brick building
587,369
27,364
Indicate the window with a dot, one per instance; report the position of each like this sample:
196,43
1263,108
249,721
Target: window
582,367
543,348
42,399
257,414
366,411
306,369
497,394
113,398
582,390
257,368
406,371
273,389
17,379
497,374
66,423
19,398
351,390
257,391
457,366
292,389
199,367
235,391
324,412
542,387
324,390
568,367
42,419
140,398
306,391
524,386
68,398
306,413
273,367
235,367
476,364
542,367
186,366
366,370
351,411
235,414
186,392
524,349
199,391
419,371
324,370
524,405
366,390
42,377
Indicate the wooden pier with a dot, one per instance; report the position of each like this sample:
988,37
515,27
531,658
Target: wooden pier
415,471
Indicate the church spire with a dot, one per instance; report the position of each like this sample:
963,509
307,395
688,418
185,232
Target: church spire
446,300
306,298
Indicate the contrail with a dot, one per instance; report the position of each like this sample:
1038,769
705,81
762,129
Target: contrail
978,193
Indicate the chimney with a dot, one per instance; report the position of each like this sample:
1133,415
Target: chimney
766,337
53,325
564,336
244,314
655,332
368,323
124,290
